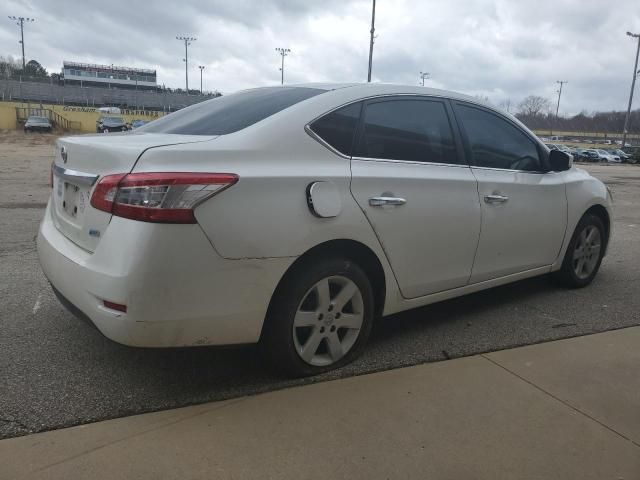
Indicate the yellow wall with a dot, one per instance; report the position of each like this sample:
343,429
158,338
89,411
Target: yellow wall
8,116
85,116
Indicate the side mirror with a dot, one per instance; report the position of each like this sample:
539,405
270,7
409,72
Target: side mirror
560,161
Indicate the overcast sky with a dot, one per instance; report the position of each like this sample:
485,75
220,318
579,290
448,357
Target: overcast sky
502,49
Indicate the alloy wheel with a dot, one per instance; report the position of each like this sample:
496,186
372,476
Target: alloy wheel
587,252
328,321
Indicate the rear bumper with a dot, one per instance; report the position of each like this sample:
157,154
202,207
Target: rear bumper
178,290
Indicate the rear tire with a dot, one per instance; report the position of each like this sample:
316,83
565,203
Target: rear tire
584,253
319,319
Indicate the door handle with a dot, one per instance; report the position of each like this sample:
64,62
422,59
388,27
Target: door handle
495,198
381,201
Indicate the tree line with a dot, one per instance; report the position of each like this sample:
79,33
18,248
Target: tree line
537,113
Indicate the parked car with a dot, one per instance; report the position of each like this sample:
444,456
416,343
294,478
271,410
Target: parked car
37,124
624,157
294,216
111,124
608,156
587,155
138,123
633,152
558,146
564,148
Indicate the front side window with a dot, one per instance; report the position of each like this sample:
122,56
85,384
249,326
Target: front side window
339,127
495,143
231,113
407,129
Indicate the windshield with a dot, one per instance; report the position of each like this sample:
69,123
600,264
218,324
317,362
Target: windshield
231,113
113,119
38,119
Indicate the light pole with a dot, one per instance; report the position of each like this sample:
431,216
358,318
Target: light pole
633,85
20,22
424,75
373,29
201,67
283,53
561,83
187,41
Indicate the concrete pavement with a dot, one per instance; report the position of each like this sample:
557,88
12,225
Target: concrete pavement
568,409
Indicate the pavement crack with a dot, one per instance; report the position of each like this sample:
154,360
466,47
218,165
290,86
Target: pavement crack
563,325
564,402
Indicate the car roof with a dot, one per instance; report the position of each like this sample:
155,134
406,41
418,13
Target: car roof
338,95
372,89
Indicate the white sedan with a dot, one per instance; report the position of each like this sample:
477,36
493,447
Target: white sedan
609,156
294,216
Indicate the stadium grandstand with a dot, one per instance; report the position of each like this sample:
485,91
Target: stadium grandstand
108,76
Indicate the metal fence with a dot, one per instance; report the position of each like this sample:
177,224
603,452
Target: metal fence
57,120
37,92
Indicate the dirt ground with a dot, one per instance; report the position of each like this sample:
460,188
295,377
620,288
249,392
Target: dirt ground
24,172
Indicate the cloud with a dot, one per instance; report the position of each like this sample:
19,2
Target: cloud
497,48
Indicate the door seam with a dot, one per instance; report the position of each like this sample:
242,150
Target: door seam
475,254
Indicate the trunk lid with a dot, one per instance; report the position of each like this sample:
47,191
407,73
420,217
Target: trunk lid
79,164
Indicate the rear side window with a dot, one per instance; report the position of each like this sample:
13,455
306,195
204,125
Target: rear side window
407,129
339,127
230,113
496,143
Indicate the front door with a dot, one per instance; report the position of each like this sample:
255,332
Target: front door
421,200
524,210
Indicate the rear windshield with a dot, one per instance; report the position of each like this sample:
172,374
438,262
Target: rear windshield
38,119
230,113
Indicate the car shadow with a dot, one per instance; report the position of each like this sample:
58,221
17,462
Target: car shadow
465,308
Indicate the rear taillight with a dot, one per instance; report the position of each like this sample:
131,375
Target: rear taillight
158,197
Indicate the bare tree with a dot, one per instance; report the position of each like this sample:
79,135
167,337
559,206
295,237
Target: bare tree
533,105
9,66
506,105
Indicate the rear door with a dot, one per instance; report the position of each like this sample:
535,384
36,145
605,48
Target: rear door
409,179
524,208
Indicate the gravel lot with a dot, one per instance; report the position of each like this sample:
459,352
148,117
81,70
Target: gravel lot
56,371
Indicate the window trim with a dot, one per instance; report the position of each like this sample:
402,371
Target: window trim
542,156
321,141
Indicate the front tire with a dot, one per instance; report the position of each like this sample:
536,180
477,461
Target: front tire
584,254
319,319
